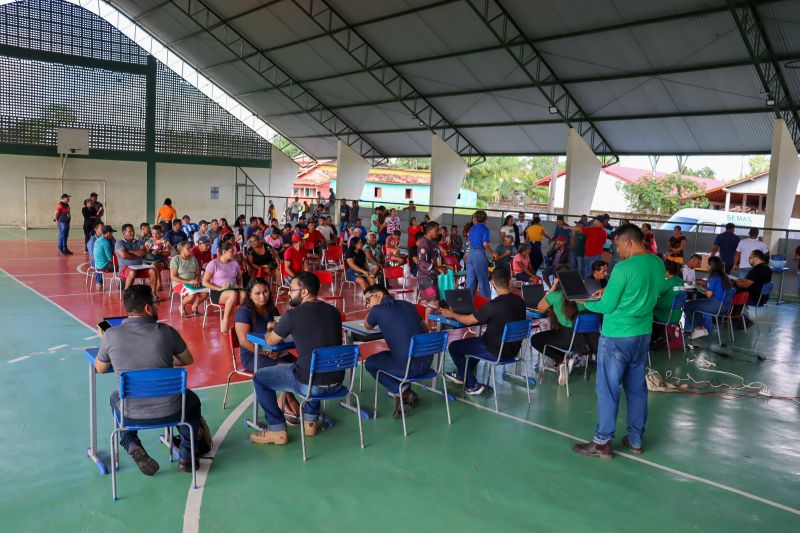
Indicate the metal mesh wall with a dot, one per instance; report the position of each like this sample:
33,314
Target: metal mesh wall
55,26
36,97
188,122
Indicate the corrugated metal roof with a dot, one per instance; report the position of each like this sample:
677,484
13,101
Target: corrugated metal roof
666,76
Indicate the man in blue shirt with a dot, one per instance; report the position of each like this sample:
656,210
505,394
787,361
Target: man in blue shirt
398,321
725,244
176,234
477,263
103,255
189,227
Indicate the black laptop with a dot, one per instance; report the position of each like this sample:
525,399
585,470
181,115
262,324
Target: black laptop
460,301
532,294
573,286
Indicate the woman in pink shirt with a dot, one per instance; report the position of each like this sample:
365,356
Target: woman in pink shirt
521,265
223,278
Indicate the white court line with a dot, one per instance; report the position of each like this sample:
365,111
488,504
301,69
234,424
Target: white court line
57,347
90,338
18,359
194,499
47,299
722,486
51,274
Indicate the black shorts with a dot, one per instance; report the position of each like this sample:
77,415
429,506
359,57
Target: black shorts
214,295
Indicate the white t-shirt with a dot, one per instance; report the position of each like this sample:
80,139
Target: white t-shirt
746,247
326,232
507,231
689,275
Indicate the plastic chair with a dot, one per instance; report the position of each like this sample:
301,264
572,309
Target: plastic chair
209,304
766,290
284,283
325,277
114,276
723,312
584,323
177,290
233,344
396,272
326,360
678,302
518,331
153,383
740,300
423,345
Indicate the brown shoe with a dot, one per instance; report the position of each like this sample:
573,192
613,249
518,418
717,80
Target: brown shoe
147,465
269,437
592,449
311,428
627,443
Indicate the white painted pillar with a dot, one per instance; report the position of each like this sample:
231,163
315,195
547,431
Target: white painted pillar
448,171
583,172
281,180
784,171
551,197
727,199
352,171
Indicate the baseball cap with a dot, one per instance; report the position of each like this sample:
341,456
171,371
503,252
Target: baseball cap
203,240
296,238
203,222
108,229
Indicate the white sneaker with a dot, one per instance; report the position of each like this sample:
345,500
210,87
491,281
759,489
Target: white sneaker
562,374
700,332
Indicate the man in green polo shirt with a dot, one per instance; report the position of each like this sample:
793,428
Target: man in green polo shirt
627,304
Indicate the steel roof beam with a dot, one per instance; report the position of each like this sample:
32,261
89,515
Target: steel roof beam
276,77
228,21
655,73
545,122
531,62
382,71
769,72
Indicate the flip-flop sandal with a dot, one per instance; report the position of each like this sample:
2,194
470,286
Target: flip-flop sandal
292,419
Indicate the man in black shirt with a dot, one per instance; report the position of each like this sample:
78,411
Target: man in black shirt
413,254
506,307
756,278
313,324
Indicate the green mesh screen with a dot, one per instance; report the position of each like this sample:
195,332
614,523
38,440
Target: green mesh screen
36,97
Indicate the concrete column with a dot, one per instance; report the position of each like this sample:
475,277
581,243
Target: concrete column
551,196
784,171
351,173
281,180
583,172
448,171
727,199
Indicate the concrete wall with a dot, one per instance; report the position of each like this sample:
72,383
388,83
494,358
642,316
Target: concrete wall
124,197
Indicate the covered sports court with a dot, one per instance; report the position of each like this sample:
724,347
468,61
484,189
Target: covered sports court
184,96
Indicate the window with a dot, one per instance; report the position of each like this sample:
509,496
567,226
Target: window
378,192
409,194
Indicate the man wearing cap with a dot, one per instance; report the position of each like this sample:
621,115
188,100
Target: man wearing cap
201,232
97,206
294,258
202,252
62,217
103,254
557,256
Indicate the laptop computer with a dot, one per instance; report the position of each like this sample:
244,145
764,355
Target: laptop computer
592,284
460,301
532,295
573,286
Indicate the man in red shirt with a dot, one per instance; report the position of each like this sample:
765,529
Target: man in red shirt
294,258
595,239
315,237
202,251
62,217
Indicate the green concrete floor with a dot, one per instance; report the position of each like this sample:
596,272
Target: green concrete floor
484,472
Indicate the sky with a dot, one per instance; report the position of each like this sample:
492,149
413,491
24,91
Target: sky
726,167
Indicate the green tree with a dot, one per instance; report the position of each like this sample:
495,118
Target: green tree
500,177
705,172
663,196
758,164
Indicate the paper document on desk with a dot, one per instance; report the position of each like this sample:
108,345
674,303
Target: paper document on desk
139,267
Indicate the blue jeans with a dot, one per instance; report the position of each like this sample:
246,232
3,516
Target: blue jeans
384,361
281,378
343,225
478,272
621,361
522,276
579,264
707,305
193,416
63,235
587,264
536,256
460,349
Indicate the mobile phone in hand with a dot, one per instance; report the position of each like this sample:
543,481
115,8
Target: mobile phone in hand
105,325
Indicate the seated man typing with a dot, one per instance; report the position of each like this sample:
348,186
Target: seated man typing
312,324
506,307
398,320
130,253
141,343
